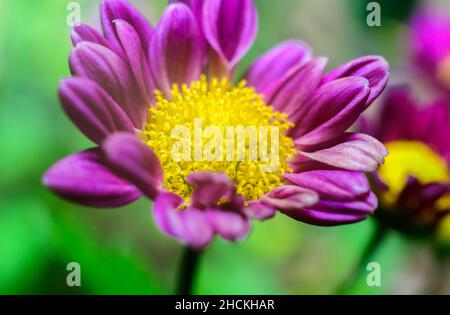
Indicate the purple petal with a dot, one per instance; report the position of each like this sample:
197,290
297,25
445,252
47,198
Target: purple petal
103,66
331,110
258,211
85,179
121,10
85,33
430,39
92,110
210,188
230,26
188,226
133,160
232,226
289,198
332,184
354,152
323,218
196,7
136,56
271,67
291,93
373,68
176,53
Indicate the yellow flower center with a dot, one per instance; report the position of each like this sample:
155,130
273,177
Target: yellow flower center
416,159
218,127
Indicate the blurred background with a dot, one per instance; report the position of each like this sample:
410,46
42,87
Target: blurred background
120,251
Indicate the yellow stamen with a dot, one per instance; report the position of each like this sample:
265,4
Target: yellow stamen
219,105
412,158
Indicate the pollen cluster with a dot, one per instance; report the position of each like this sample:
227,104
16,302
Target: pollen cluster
222,105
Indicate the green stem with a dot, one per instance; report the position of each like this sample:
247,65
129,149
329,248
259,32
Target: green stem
368,254
188,270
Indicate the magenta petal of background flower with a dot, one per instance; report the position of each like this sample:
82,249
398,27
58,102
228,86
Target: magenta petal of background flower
136,162
210,188
273,66
230,26
331,110
290,197
86,33
373,68
103,66
430,39
354,152
232,226
324,218
256,210
291,92
332,184
137,57
188,226
112,10
84,178
176,53
92,110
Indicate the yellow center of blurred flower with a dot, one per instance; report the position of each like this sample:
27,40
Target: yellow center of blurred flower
416,159
218,127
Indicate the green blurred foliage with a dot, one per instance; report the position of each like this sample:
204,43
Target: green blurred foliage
120,251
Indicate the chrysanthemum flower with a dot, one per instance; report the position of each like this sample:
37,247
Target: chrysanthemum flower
414,182
134,84
430,44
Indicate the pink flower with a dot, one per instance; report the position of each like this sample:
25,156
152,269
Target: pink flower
134,83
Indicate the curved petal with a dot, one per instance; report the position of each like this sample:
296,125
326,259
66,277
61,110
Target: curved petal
86,33
354,152
273,66
85,179
112,10
133,160
331,110
231,226
188,226
136,56
289,198
176,53
210,188
332,184
92,110
373,68
230,27
290,94
256,210
103,66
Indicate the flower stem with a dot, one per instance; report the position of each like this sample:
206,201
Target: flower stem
369,252
187,272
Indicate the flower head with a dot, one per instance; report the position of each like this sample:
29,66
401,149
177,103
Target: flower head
170,123
414,182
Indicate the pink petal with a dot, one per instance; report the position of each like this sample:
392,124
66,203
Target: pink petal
176,53
103,66
331,110
373,68
85,179
133,160
188,226
92,110
210,188
354,152
272,67
230,27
